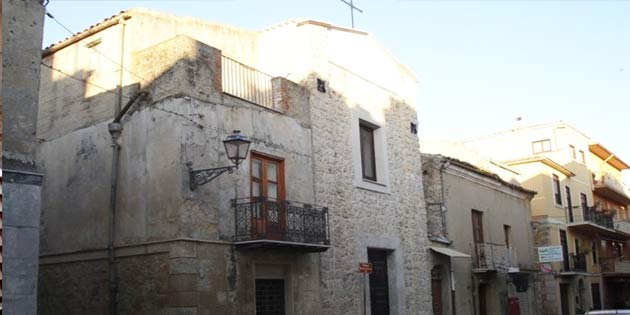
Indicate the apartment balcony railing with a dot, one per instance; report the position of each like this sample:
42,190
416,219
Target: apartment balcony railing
265,222
578,262
607,185
614,264
490,256
599,217
622,225
246,82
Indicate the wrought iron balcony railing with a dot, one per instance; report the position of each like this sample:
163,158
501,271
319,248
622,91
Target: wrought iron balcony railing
575,263
268,220
494,256
614,264
601,218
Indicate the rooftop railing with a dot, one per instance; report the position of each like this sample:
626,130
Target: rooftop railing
246,82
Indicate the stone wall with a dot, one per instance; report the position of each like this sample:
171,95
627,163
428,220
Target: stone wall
358,214
22,25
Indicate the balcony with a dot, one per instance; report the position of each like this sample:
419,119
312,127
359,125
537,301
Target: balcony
614,265
280,224
597,223
599,217
493,257
608,186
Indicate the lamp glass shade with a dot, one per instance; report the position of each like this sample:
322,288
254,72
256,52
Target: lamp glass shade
236,147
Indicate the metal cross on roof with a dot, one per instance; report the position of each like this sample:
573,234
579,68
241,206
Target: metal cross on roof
352,8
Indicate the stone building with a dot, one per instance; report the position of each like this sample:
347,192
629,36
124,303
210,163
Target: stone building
479,227
22,25
332,177
581,208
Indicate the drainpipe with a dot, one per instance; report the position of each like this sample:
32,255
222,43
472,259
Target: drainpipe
443,167
115,129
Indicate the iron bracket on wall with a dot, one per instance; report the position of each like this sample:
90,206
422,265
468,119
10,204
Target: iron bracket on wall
201,177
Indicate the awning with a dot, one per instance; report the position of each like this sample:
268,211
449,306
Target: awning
449,252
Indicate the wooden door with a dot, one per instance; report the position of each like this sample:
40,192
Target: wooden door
569,204
436,290
597,301
564,298
379,284
483,307
565,250
267,181
477,226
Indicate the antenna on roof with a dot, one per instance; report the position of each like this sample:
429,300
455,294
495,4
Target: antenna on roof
352,8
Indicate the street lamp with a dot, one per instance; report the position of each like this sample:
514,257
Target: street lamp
236,148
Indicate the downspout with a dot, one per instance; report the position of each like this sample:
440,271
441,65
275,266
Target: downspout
443,167
115,129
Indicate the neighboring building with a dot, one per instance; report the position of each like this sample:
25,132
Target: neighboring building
22,32
581,206
336,138
480,229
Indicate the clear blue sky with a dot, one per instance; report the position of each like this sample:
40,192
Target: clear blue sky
479,64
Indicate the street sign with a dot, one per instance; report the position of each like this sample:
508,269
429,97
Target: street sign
550,254
365,267
546,268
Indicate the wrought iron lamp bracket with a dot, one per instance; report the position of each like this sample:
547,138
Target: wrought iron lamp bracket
201,177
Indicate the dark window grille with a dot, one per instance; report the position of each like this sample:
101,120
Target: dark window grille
270,297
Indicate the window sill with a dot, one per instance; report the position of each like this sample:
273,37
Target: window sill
371,186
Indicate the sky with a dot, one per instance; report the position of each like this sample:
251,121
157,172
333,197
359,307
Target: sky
479,64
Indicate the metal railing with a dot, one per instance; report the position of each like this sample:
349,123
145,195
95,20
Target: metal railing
610,180
614,264
262,218
494,256
246,82
602,218
578,262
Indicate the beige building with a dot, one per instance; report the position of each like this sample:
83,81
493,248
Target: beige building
581,206
331,179
479,227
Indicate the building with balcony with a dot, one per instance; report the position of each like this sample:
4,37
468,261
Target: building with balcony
331,179
580,206
481,239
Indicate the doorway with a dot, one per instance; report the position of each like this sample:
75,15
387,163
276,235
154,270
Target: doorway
482,291
267,193
565,250
379,282
564,298
436,290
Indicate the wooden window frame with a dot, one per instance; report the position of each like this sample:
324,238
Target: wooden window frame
557,193
542,146
280,181
364,125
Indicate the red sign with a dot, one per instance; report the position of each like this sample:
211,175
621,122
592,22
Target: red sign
365,267
545,268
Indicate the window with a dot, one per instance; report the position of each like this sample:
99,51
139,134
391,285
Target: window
267,177
368,158
541,146
507,231
572,149
569,203
594,252
582,157
556,190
